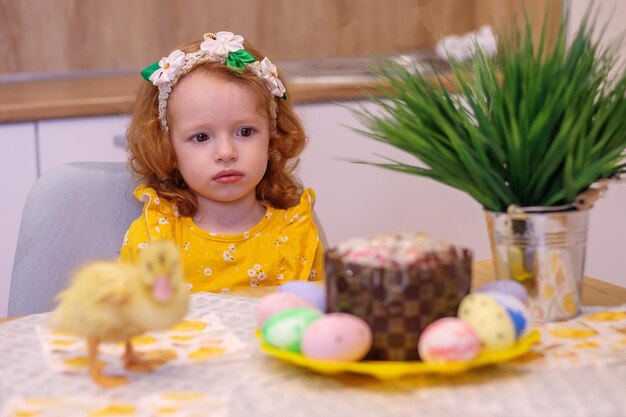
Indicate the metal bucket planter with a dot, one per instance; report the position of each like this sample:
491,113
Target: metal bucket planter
544,249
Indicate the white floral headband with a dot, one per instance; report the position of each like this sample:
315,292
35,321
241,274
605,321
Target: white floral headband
223,47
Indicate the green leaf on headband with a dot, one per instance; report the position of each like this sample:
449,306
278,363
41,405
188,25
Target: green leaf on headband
239,59
149,70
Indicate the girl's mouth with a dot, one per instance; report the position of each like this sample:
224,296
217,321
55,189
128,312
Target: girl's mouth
227,176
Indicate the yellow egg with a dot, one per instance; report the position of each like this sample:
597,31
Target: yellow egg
490,320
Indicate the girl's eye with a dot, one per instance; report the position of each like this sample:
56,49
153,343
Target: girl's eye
246,131
200,138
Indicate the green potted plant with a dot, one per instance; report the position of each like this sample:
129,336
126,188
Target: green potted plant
526,134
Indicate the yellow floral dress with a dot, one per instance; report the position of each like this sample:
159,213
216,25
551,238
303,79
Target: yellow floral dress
283,246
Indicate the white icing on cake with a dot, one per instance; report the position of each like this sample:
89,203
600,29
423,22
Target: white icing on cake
391,249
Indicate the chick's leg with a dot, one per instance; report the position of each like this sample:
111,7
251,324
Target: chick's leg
133,360
148,361
95,367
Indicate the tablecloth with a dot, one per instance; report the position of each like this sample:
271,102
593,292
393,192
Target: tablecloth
254,384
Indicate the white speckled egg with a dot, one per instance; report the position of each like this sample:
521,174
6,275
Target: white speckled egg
275,303
448,340
285,330
337,337
313,293
489,319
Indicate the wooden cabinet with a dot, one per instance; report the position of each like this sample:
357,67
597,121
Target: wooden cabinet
18,170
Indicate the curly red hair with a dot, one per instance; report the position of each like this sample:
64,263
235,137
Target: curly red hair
152,156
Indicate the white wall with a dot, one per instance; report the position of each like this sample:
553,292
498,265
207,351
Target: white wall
359,200
606,252
611,15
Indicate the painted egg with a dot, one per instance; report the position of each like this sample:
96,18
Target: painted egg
275,303
506,286
489,319
309,291
337,337
448,340
517,311
284,330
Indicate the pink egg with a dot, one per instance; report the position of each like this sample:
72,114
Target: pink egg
275,303
337,337
448,340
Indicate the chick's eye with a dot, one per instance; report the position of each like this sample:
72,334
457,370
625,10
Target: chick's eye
201,137
246,132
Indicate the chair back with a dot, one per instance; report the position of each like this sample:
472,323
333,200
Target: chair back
75,213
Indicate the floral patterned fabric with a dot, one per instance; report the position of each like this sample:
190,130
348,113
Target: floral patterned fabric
283,246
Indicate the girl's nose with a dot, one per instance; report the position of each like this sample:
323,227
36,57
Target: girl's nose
225,150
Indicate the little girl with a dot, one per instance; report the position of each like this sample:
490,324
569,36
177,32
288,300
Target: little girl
215,141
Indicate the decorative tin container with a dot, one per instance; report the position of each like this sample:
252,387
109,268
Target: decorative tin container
544,249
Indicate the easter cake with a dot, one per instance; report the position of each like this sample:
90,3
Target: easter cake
398,284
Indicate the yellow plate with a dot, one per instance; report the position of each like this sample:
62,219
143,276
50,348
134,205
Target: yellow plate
397,369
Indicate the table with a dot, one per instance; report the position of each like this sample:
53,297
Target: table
263,386
595,291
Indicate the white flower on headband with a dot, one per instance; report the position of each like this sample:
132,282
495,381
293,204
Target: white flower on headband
268,72
168,68
221,43
223,47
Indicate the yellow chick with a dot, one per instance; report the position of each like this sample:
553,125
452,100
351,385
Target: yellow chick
113,302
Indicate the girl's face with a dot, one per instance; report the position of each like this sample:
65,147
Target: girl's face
220,139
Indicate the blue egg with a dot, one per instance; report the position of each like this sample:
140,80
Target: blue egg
313,293
506,286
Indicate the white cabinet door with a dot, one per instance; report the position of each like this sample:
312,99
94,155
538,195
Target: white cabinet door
359,200
82,139
18,170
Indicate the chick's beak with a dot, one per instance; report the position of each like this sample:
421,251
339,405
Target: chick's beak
162,289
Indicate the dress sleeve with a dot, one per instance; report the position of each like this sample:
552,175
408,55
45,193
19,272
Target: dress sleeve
156,222
301,251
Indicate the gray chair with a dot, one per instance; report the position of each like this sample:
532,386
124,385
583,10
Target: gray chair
74,213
